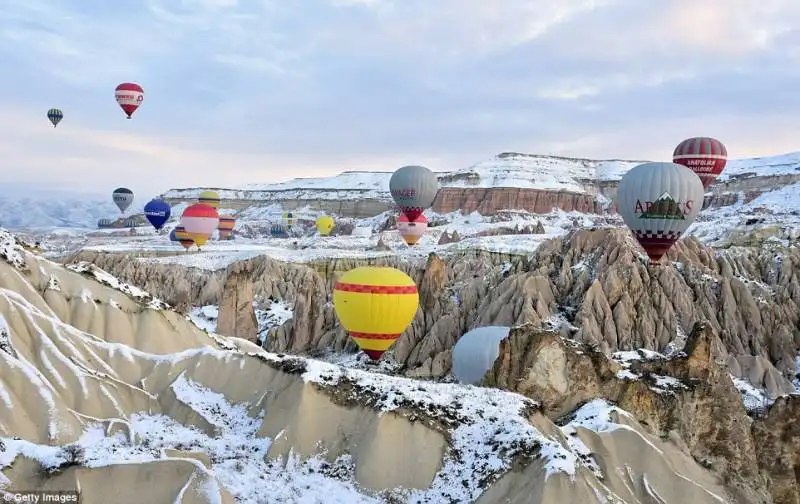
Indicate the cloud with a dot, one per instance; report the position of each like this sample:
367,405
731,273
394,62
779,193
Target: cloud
263,90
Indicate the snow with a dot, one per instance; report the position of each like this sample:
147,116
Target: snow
755,400
105,278
345,186
276,314
237,454
11,250
475,352
477,233
205,317
538,172
508,169
488,428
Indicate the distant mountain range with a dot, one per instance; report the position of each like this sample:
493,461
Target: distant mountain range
47,208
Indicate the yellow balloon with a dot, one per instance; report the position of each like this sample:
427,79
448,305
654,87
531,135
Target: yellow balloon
210,198
375,305
199,239
325,225
289,219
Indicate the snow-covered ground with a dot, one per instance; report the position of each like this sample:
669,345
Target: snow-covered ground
472,229
776,213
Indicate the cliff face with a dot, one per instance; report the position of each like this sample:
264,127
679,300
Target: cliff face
583,190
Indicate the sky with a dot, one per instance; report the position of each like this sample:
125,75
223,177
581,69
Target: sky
258,91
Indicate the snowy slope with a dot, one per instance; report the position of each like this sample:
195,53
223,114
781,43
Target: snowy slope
79,399
33,212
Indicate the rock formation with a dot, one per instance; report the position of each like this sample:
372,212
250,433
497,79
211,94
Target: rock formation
689,399
142,404
592,284
236,314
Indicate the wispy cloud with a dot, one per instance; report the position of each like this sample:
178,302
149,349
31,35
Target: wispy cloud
259,90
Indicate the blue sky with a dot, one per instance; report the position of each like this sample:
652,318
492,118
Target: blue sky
255,91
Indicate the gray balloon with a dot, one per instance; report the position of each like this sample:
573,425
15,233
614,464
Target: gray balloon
413,188
123,197
659,201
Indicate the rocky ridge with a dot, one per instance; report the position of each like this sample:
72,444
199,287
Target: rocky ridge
591,285
688,398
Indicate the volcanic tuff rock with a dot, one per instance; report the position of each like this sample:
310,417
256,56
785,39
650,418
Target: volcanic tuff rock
592,284
456,193
688,398
142,411
236,314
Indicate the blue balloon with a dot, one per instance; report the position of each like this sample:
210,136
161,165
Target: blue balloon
172,236
157,212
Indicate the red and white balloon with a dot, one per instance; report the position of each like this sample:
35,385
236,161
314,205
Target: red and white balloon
412,231
129,96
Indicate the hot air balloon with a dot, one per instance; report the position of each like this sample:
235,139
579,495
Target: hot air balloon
659,201
475,352
412,231
182,236
210,198
123,197
200,221
278,231
55,115
129,96
325,225
225,227
413,189
705,156
289,219
375,305
157,212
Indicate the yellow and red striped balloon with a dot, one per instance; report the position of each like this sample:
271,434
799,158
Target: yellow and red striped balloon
375,305
183,237
225,226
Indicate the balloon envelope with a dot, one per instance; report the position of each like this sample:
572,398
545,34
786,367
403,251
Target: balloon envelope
55,115
325,225
123,197
289,219
200,221
705,156
658,202
210,198
413,188
412,231
225,226
375,305
157,212
129,96
475,352
183,237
